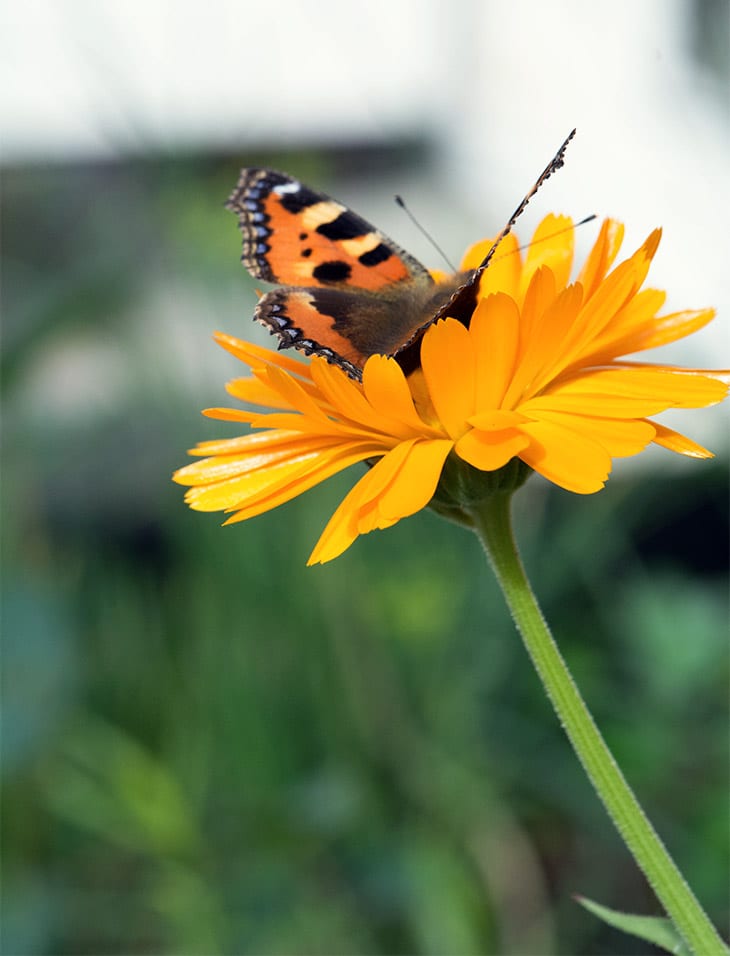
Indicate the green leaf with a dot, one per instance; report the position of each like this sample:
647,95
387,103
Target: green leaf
654,929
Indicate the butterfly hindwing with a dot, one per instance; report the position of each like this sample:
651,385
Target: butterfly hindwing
297,236
348,326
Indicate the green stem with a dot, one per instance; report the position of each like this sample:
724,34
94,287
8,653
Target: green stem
493,525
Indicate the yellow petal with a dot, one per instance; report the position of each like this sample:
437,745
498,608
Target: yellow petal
598,312
503,272
307,426
663,329
552,246
626,331
641,259
328,464
345,395
678,443
478,252
672,388
234,492
256,356
230,415
245,444
253,458
342,528
591,403
539,296
293,393
489,450
387,391
448,363
497,419
495,331
601,256
566,458
257,390
415,483
619,437
544,355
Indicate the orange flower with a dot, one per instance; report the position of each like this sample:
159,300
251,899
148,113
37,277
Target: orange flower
537,375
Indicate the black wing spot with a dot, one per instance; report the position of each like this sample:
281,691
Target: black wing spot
306,253
375,256
346,226
303,197
335,271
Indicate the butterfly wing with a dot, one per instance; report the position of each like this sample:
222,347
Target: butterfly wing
297,236
347,326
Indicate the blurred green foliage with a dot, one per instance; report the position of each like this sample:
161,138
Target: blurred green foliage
208,748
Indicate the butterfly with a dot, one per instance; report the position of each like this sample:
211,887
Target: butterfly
345,290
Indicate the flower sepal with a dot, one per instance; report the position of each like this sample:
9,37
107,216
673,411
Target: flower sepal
462,487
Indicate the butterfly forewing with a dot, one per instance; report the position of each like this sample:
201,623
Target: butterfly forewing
297,236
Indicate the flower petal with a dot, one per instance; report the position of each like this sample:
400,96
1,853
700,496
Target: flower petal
591,403
256,356
243,444
674,441
387,391
344,525
256,392
598,312
504,270
551,245
539,296
489,450
497,419
619,437
626,331
329,462
246,458
601,256
495,332
293,392
234,492
660,330
415,484
672,388
449,366
543,355
230,415
566,458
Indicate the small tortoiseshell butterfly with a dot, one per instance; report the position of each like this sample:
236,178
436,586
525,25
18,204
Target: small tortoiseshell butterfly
347,291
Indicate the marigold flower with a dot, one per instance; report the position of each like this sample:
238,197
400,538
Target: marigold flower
537,375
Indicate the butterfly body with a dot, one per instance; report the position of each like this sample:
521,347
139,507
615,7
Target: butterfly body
347,291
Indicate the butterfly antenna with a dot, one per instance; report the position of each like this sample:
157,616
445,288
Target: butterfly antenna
399,200
552,235
552,167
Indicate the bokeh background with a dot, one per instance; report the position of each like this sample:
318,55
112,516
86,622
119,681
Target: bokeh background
207,748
